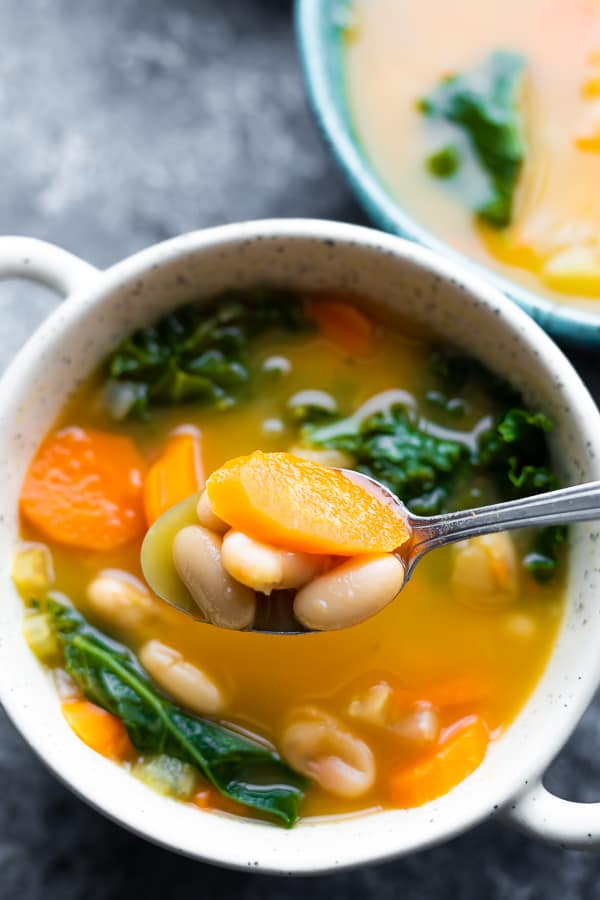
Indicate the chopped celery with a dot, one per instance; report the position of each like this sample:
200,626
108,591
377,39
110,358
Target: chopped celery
33,570
167,775
40,634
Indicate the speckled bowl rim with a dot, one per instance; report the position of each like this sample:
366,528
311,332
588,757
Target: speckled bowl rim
316,36
318,847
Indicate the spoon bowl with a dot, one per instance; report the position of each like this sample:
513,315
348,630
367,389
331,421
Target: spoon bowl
274,613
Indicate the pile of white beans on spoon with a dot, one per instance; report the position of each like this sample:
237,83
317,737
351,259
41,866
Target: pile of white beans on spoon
223,570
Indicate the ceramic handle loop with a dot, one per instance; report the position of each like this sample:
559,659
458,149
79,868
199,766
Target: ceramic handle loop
23,257
571,825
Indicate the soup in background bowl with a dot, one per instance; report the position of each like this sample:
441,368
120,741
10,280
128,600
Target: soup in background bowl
479,136
448,665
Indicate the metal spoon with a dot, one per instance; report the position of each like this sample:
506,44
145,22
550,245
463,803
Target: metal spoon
579,503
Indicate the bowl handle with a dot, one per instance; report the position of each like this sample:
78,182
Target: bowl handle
542,814
24,257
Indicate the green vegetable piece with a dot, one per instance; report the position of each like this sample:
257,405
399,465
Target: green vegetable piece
515,450
418,467
444,163
197,354
109,676
432,474
483,104
543,560
455,371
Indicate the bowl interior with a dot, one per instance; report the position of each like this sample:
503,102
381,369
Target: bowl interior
319,27
399,276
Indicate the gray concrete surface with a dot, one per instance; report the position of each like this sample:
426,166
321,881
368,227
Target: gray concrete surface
122,123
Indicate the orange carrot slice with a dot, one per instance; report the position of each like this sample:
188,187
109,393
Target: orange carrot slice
177,473
462,750
342,324
297,504
99,729
84,489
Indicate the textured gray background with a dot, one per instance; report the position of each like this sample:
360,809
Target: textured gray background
124,122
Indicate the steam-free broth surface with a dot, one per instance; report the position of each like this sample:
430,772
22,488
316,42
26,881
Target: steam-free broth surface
398,51
468,661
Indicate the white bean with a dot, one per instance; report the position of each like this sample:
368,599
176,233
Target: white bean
417,724
265,568
188,684
339,459
122,600
349,593
206,516
485,571
317,744
197,558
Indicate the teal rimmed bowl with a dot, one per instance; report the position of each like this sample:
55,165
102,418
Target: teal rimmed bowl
319,28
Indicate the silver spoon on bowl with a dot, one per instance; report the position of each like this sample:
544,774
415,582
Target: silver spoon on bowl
274,614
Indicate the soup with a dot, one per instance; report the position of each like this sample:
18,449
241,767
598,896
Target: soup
392,712
525,97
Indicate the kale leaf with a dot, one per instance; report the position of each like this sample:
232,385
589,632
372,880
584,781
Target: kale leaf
445,162
109,675
515,451
199,354
455,371
418,467
425,471
483,104
543,559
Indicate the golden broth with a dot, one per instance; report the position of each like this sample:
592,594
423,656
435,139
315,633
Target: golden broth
423,641
397,51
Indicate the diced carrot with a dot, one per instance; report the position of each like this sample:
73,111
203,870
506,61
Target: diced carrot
300,505
210,798
177,473
99,729
84,489
461,751
342,324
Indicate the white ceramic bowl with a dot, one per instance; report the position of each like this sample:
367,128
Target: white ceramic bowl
102,307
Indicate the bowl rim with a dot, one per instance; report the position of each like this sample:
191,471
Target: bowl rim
285,852
313,19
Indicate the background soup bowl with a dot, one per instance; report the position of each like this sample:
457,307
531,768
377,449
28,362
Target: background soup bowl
319,25
102,307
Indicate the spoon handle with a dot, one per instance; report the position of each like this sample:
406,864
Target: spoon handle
579,503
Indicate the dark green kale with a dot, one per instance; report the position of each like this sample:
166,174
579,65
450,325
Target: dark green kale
445,162
515,452
454,372
426,471
418,467
483,104
109,675
544,557
198,354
